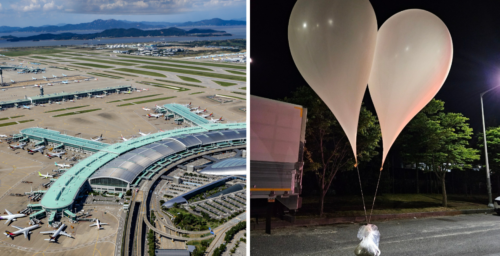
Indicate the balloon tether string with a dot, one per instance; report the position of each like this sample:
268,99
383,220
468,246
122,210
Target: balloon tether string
375,196
362,196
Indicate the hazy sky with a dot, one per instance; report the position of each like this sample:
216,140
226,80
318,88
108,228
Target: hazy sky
22,13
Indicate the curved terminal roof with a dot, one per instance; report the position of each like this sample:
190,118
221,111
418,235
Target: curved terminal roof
129,165
185,112
230,166
65,189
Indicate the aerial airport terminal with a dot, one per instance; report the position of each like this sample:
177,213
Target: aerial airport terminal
102,148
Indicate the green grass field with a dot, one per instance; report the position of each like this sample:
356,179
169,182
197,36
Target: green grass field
189,79
12,117
180,83
3,118
63,109
29,51
7,124
225,84
40,57
178,89
135,98
237,72
167,65
146,101
106,62
186,62
78,112
118,73
198,73
240,93
243,88
92,65
140,72
105,75
234,97
25,121
195,93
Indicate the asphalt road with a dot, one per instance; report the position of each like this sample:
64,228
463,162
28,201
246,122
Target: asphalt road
472,235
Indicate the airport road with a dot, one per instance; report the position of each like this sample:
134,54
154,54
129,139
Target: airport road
444,236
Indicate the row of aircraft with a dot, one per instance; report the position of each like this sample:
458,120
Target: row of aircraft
53,234
40,149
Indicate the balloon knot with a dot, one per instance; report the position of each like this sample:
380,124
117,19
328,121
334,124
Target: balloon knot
381,168
356,165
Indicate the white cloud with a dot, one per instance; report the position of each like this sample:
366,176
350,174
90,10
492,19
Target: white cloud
49,6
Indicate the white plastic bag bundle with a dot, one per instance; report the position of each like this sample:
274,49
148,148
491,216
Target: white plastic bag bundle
370,237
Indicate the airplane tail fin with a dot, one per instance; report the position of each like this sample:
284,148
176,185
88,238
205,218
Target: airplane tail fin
39,174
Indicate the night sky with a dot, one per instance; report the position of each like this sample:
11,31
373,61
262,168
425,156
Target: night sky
474,28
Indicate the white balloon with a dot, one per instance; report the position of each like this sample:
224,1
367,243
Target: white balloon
412,60
332,43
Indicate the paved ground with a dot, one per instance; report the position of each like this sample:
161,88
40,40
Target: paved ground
242,247
459,235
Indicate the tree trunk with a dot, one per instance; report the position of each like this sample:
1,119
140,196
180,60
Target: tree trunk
418,188
443,185
322,202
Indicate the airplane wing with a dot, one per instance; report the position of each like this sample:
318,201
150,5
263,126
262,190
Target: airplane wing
8,221
8,212
26,233
17,227
104,224
47,232
94,225
65,234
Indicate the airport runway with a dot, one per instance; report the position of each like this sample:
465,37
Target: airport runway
444,236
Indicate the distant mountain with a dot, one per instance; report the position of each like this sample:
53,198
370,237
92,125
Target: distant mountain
110,24
120,32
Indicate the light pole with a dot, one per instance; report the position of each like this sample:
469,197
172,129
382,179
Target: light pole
488,180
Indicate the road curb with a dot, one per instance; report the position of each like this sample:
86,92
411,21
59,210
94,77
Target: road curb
361,219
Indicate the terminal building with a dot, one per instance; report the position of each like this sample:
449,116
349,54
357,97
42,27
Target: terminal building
121,166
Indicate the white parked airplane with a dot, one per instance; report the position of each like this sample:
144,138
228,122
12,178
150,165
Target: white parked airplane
64,75
57,154
187,105
62,165
125,139
216,120
55,234
100,96
45,176
26,231
11,217
98,224
199,111
20,145
205,116
3,136
33,78
97,139
44,78
54,76
193,109
158,107
143,134
13,81
154,115
39,149
49,84
65,82
147,109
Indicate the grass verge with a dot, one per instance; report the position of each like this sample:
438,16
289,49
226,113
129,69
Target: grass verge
225,84
25,121
107,62
12,117
189,79
179,89
195,93
78,112
229,96
92,65
146,101
180,83
62,109
105,75
197,73
237,72
118,73
29,51
135,98
187,62
7,124
140,72
169,65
